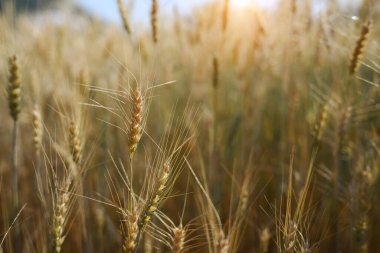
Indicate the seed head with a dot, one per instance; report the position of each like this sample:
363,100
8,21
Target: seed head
14,88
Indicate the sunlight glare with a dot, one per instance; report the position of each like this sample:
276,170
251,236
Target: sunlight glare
242,3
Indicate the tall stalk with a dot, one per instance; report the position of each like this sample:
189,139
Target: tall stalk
14,102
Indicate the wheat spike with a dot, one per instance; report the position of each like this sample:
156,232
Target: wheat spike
153,203
135,129
179,239
344,124
130,231
14,88
265,236
290,237
123,14
37,128
158,195
321,122
223,243
75,143
357,54
154,20
60,215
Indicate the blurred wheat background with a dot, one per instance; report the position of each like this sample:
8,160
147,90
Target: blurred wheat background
223,127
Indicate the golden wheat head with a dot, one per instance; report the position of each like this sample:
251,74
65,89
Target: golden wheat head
14,88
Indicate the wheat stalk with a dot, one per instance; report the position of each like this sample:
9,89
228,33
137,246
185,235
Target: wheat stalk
14,103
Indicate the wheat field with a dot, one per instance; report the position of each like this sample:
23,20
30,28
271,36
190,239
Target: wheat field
223,130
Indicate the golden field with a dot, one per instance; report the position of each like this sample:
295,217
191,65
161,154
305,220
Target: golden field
223,130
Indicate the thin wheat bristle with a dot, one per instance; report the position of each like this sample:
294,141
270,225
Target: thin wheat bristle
75,143
123,14
37,128
154,20
357,54
135,130
14,88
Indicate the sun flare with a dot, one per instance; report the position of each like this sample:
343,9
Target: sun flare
242,3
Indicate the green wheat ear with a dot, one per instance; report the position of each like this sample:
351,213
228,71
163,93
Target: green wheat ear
14,88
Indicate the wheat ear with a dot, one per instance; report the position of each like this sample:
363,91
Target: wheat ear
223,243
129,232
60,215
135,129
75,143
321,122
154,20
265,236
14,88
153,203
179,239
357,54
123,14
37,129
